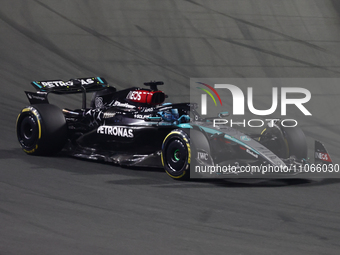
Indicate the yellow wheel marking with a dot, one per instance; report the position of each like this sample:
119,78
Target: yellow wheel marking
162,159
33,150
36,115
262,133
23,110
189,153
173,132
39,125
176,177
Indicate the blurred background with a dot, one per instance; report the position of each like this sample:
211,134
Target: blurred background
60,205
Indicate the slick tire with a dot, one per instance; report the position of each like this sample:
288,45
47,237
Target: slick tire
296,139
291,141
41,129
176,155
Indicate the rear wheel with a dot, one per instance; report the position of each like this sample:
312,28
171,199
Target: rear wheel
176,154
41,129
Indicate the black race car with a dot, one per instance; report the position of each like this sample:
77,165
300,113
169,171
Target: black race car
133,127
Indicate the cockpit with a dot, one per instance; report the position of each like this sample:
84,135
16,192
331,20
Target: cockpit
173,115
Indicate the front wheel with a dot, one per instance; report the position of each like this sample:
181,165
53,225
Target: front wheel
176,154
285,142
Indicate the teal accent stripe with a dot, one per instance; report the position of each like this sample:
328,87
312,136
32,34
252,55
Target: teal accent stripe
241,143
39,86
231,138
210,130
184,125
100,80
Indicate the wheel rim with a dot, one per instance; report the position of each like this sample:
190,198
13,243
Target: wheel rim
28,131
176,155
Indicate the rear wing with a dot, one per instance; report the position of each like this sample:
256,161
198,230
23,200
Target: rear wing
79,85
72,86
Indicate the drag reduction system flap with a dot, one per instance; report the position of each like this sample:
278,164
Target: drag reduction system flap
79,85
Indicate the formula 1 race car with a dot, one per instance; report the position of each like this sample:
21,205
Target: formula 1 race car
134,127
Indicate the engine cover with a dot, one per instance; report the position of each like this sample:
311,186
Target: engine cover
144,96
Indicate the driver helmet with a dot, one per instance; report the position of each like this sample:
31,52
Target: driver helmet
170,114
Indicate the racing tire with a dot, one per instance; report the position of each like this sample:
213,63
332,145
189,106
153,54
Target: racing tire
41,129
291,141
296,139
176,155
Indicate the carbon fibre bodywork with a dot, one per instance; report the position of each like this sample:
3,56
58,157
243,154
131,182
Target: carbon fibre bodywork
133,127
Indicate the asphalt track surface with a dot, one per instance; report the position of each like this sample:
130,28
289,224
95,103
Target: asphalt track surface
61,205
